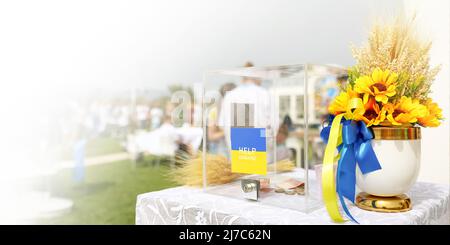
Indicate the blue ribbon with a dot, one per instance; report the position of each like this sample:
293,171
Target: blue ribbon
355,149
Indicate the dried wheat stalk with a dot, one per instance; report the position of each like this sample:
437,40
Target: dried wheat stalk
396,46
218,170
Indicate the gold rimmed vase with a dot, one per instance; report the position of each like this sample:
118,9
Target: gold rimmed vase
398,150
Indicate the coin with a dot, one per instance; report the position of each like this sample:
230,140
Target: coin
300,192
290,192
264,183
290,183
279,190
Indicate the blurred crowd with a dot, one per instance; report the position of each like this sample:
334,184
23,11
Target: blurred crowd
165,127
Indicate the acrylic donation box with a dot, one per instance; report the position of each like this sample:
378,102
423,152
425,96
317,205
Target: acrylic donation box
261,132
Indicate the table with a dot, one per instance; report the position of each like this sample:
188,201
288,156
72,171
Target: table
188,205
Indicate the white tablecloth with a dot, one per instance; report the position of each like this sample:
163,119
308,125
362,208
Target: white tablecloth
187,205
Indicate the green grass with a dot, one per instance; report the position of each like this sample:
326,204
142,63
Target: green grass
96,147
108,195
102,146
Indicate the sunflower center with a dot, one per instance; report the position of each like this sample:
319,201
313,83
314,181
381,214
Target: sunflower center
397,112
370,114
381,87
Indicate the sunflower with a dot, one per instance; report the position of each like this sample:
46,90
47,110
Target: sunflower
372,114
340,103
432,116
349,103
405,111
380,85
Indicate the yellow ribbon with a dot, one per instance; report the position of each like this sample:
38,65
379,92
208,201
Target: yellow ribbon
328,181
355,110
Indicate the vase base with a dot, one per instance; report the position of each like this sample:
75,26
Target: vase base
394,204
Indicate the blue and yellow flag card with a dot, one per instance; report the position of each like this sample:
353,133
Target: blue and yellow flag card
248,150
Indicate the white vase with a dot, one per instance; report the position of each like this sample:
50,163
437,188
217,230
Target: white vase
398,151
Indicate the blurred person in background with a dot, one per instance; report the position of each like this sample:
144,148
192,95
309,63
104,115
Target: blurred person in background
288,122
215,135
142,111
283,151
123,120
156,117
79,154
250,91
168,137
79,139
190,136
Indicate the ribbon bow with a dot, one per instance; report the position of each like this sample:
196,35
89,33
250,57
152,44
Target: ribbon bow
352,139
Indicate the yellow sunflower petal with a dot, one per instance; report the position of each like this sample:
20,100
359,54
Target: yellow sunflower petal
386,74
392,78
376,75
363,84
392,120
365,98
381,98
375,90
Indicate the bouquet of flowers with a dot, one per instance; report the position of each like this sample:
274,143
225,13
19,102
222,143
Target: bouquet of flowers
390,83
389,88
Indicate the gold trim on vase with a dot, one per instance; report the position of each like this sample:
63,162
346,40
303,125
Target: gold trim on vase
394,204
396,133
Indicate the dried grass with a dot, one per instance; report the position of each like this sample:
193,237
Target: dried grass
218,170
396,46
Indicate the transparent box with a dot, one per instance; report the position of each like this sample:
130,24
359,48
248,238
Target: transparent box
264,123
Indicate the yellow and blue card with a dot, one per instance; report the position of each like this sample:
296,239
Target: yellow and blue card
248,150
